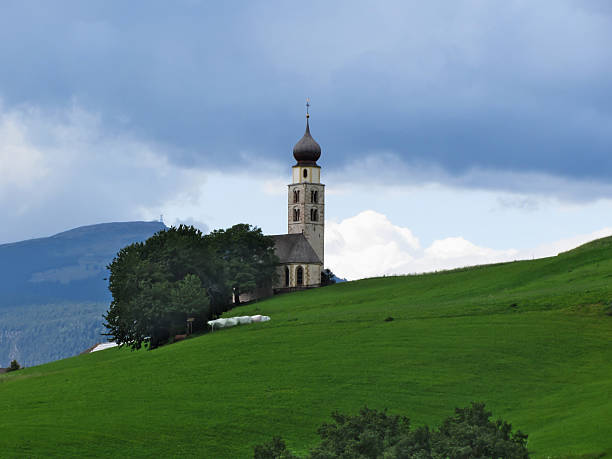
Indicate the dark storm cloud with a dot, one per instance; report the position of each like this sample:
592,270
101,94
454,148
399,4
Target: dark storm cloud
513,86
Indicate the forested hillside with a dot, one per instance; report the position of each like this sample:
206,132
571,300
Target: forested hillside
53,291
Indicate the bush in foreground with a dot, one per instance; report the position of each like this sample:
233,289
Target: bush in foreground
470,433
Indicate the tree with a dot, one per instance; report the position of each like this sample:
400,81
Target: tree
158,284
373,434
327,277
248,255
366,435
14,366
274,449
185,250
180,273
472,433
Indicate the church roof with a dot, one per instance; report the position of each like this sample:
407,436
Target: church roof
294,248
307,150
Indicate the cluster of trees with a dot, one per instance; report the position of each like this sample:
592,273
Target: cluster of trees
181,273
470,433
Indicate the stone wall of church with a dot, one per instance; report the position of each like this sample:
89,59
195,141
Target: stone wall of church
311,275
314,230
311,278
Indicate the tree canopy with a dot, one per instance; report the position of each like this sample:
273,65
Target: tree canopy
373,434
248,257
178,274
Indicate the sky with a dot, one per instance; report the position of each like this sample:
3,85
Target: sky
453,133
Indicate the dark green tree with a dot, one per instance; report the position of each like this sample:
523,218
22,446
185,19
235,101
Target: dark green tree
366,435
14,366
327,277
274,449
471,433
180,273
248,256
373,434
158,284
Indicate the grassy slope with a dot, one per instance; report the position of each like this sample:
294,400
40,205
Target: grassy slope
545,365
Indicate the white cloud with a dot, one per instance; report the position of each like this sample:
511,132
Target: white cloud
21,165
62,169
368,245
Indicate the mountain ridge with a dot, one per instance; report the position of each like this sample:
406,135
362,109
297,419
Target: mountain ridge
53,290
68,265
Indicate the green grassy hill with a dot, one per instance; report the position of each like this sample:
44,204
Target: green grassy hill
532,339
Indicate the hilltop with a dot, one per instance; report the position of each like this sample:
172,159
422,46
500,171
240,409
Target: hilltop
54,291
529,338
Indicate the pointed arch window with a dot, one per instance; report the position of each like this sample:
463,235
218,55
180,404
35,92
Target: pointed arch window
299,275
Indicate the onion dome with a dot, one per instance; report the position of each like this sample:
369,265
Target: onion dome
307,150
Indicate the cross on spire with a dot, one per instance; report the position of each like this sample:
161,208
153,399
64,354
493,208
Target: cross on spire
307,106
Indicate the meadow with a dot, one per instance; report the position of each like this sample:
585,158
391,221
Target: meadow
531,339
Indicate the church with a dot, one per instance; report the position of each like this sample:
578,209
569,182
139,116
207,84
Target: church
301,251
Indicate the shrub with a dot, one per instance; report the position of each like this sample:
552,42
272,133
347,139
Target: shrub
368,434
373,434
471,433
14,366
274,449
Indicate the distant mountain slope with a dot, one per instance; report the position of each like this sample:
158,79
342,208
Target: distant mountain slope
529,338
53,290
68,266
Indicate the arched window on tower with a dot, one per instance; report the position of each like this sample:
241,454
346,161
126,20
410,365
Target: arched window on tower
316,215
286,276
313,215
296,215
296,196
315,197
305,173
299,275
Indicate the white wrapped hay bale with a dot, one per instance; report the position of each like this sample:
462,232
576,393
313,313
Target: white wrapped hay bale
233,321
217,323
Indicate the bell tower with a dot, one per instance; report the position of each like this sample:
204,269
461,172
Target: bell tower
306,192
